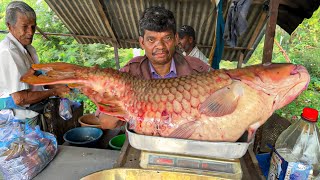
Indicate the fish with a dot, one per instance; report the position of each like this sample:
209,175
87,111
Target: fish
218,106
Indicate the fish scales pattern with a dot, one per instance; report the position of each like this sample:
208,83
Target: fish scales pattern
162,103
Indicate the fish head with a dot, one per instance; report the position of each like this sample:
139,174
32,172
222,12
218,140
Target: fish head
282,81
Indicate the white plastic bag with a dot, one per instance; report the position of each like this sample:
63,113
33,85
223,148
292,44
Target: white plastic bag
65,110
24,151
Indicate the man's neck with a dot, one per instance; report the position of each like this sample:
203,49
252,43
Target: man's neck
162,70
189,50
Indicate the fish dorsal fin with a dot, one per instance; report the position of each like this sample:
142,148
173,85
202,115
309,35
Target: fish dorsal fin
184,131
222,102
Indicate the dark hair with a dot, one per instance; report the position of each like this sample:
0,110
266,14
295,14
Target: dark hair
187,30
157,19
18,6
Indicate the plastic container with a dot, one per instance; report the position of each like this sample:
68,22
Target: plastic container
297,149
117,141
83,136
264,163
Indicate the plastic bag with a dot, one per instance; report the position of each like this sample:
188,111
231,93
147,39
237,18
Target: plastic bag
65,110
24,151
5,115
8,103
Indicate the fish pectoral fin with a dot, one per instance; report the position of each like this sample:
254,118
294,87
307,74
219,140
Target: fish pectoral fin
222,102
184,131
252,129
112,110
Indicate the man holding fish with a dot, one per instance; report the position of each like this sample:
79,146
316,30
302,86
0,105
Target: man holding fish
16,57
158,37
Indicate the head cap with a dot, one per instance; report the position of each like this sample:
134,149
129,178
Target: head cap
187,30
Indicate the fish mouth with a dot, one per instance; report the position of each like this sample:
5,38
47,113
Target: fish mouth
299,69
288,94
298,74
302,72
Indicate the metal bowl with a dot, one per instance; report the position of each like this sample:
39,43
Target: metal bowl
83,136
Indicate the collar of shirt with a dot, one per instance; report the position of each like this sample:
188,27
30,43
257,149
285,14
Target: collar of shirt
29,49
17,43
195,52
172,72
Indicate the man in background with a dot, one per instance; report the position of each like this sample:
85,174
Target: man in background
16,57
187,43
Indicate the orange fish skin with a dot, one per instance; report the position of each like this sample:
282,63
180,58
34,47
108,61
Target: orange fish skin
214,106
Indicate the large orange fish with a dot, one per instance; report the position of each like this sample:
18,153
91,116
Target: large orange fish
214,106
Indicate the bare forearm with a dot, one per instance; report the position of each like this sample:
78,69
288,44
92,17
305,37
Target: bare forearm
29,97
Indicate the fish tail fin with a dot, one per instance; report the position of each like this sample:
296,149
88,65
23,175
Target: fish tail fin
55,73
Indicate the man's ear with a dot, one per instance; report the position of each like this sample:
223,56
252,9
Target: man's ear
8,26
177,39
141,42
190,39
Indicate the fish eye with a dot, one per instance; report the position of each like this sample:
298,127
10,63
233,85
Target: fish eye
267,64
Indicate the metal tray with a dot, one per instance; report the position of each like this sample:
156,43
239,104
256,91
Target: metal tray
128,173
220,150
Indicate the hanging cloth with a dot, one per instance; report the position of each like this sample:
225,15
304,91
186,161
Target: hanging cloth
218,44
236,23
219,38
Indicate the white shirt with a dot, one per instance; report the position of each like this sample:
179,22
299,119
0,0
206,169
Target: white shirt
15,61
198,54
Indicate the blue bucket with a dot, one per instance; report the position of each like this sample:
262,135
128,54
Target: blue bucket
83,136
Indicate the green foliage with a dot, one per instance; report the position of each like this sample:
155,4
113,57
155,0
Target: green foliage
293,110
303,47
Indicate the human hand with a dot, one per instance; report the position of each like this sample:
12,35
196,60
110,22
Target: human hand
61,90
53,86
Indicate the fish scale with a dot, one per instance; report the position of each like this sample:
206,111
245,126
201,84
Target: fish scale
214,106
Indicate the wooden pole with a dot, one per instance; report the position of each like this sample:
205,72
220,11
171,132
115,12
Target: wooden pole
116,55
42,33
241,57
214,34
270,31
